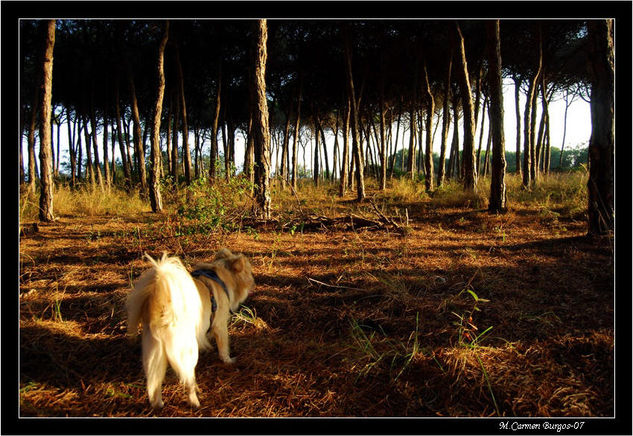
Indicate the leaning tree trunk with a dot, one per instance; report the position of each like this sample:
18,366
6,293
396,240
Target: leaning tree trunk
260,124
46,176
562,147
356,145
498,200
31,140
428,157
446,117
95,146
138,145
154,188
601,145
470,173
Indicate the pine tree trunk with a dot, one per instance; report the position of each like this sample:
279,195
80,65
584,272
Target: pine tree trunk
470,173
284,151
72,151
174,141
345,159
155,198
249,153
138,146
89,163
383,143
260,124
601,145
528,138
106,162
186,153
20,157
446,119
122,146
46,177
79,148
562,147
357,150
430,111
412,137
296,135
498,200
533,151
168,135
517,108
31,140
481,132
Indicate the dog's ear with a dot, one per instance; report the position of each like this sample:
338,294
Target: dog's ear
224,253
238,263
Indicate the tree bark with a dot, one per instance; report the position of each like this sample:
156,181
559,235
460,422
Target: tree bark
345,158
470,173
138,146
517,108
186,154
528,138
155,198
260,124
31,139
383,142
498,199
562,147
106,162
446,119
284,151
174,141
601,145
296,135
95,145
430,111
481,132
357,150
89,164
46,176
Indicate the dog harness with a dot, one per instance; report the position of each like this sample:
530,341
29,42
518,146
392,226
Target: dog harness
211,274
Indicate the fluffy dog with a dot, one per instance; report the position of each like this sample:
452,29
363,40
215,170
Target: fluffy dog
176,309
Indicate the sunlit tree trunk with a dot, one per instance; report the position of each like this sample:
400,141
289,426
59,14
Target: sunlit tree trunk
260,124
155,198
122,147
284,151
106,162
95,145
446,119
90,175
383,142
470,173
601,145
46,176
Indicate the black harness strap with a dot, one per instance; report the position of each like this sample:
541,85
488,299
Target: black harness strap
211,274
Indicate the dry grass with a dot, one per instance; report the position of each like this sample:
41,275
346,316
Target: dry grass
343,321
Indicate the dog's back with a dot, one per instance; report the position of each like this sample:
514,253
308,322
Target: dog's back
166,301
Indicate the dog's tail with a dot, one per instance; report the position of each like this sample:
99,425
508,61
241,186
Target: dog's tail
175,301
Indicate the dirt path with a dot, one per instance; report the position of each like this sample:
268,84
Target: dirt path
342,322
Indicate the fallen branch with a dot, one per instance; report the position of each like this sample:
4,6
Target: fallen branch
311,280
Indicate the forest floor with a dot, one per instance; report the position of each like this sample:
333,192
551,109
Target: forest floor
458,313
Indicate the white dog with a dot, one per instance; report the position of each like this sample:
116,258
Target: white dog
176,309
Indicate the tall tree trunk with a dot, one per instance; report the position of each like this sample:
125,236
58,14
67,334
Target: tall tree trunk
396,138
356,145
601,145
284,150
470,173
562,147
155,198
335,168
249,152
517,108
79,148
186,154
31,139
122,146
498,199
325,155
59,127
168,134
20,157
481,133
260,124
89,163
345,158
446,119
46,177
430,110
412,135
106,162
95,145
315,166
533,151
138,146
71,148
383,142
528,138
174,141
214,129
296,134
